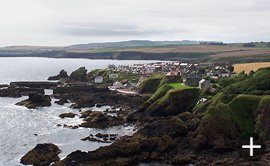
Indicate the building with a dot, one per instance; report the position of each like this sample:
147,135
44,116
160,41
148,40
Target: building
98,79
117,85
204,84
172,74
192,80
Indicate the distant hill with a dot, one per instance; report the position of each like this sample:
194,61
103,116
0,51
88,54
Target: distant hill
186,50
131,43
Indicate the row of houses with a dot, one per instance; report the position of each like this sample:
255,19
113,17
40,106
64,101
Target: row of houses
214,71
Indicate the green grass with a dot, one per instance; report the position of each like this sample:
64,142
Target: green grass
160,92
179,86
240,111
149,85
243,108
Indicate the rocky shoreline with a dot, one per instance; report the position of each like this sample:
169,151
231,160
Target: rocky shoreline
173,129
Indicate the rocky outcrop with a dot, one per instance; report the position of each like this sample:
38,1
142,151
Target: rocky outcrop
154,142
174,102
79,74
36,100
41,155
102,138
96,119
62,75
110,98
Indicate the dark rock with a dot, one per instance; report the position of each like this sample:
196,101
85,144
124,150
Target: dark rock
176,102
74,127
99,135
82,103
36,100
62,101
62,75
95,140
96,119
70,126
183,159
112,138
152,142
99,105
67,115
3,86
41,155
79,74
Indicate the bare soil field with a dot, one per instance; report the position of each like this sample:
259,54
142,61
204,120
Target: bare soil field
247,67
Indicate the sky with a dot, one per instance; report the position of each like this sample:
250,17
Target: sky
66,22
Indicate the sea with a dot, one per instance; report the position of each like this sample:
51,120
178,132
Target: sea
21,129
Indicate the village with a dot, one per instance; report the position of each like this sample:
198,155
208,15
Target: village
200,75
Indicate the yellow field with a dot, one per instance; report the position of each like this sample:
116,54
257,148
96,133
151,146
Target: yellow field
247,67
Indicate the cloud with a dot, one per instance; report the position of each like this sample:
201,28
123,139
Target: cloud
64,22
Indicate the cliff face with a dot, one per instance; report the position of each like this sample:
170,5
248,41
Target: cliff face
174,102
122,55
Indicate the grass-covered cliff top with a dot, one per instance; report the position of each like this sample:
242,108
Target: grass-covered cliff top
156,81
171,98
239,110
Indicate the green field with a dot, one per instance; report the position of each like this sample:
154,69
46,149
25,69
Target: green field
179,86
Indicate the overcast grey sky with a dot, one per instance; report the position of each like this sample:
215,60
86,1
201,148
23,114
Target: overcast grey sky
64,22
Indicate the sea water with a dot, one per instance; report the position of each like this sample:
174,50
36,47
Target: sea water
21,129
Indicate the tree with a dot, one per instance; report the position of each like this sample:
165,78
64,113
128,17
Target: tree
231,68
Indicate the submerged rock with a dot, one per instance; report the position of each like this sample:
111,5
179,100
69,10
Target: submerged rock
67,115
36,100
41,155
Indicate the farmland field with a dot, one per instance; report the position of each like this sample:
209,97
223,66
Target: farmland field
247,67
190,48
242,53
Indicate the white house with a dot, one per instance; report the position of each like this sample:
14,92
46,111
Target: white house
204,84
98,79
117,85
